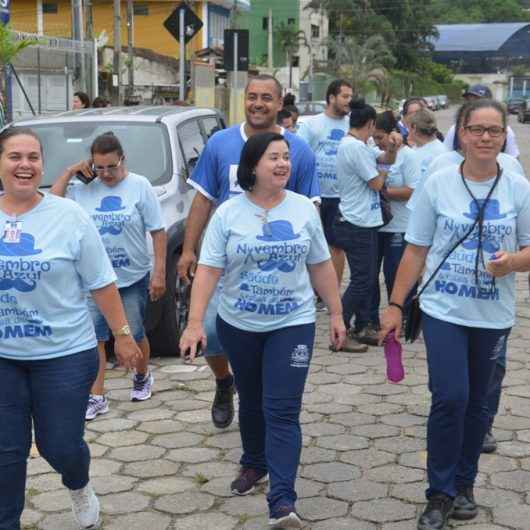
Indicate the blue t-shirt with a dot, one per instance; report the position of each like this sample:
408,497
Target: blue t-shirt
443,214
424,155
356,166
215,175
122,215
451,158
264,255
403,172
44,275
324,134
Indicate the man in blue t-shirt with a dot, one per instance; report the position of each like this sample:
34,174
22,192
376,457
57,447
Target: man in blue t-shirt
215,179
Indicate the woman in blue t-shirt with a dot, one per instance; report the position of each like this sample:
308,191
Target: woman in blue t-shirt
123,206
356,226
470,230
48,356
269,244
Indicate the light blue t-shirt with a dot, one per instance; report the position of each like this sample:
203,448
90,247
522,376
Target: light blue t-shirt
424,156
451,158
122,214
356,166
44,275
264,255
215,175
403,172
443,214
324,134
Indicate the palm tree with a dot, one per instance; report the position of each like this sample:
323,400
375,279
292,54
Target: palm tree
358,62
290,39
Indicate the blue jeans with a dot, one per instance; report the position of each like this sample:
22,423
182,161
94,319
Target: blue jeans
270,371
361,247
495,388
461,362
54,394
213,346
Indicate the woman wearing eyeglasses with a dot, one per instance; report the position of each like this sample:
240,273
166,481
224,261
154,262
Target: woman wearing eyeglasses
123,207
474,221
270,246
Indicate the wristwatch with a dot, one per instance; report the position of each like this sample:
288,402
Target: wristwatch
123,331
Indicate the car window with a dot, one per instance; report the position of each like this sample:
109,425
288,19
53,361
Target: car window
145,145
210,125
191,141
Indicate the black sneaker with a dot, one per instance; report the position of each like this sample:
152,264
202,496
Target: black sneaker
464,506
436,513
246,481
489,445
368,335
223,407
285,517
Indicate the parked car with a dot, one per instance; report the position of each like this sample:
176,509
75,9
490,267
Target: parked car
523,114
513,104
443,101
309,108
163,144
432,102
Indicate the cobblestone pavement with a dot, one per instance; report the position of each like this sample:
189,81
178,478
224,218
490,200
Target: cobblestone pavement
161,464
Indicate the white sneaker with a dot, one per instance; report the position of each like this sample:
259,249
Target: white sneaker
96,405
85,507
142,387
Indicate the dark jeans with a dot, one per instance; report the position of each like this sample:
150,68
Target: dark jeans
54,394
461,362
391,246
270,370
361,247
495,388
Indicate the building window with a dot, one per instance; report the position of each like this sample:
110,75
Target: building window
291,21
140,9
295,63
50,8
265,23
315,31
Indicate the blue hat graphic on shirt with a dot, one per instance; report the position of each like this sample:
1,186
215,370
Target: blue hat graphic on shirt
24,247
491,212
278,231
336,134
112,203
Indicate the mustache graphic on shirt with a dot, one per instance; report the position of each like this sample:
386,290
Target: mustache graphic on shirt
110,229
24,286
272,263
489,245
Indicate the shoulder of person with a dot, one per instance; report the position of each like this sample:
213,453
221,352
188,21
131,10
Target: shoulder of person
219,139
516,179
296,142
136,178
69,208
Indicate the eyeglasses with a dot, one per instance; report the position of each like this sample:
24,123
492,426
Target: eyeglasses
480,130
101,170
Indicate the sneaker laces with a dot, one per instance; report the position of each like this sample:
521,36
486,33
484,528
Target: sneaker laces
81,499
438,502
139,381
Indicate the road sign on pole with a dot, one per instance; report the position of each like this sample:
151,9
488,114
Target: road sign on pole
4,11
192,23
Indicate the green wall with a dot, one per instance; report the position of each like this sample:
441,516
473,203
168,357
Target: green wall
282,11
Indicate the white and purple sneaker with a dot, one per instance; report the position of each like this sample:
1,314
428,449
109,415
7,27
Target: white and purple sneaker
96,405
85,507
142,385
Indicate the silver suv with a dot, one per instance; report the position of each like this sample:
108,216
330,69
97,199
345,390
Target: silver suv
163,144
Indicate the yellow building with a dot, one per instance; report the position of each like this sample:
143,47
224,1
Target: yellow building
149,30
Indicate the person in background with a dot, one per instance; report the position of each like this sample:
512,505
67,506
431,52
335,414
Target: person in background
285,120
80,101
48,356
422,133
267,230
100,103
293,109
324,132
410,106
215,179
473,93
289,99
469,307
399,185
359,218
123,206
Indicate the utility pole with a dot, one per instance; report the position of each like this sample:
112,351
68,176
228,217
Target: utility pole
40,19
116,77
270,63
89,18
182,56
130,44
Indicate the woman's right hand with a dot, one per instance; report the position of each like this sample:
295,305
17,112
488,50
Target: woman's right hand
391,320
84,167
127,351
192,336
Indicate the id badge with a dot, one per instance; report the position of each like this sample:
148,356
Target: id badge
13,231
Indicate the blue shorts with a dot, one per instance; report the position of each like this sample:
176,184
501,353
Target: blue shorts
213,346
134,299
329,208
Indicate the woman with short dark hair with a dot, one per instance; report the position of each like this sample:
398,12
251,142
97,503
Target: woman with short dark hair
270,246
81,101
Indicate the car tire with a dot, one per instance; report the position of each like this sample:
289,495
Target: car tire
164,339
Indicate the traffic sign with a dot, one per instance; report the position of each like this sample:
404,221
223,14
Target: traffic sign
192,23
4,11
242,49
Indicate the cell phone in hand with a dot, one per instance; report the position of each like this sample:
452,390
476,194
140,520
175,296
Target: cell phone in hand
84,179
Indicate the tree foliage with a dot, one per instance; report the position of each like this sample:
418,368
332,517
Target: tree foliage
10,46
469,11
